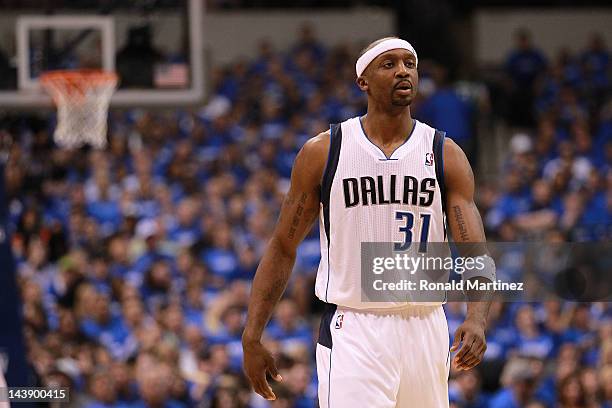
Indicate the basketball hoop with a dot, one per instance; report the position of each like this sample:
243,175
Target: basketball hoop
82,98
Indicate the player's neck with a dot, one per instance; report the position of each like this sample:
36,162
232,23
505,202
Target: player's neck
388,127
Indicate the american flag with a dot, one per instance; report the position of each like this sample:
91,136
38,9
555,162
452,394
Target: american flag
174,75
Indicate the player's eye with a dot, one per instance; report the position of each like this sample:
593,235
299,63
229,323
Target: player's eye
388,64
409,64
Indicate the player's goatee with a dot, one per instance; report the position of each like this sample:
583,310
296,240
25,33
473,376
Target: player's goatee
401,102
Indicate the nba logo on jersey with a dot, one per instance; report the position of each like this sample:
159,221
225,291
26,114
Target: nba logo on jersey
429,159
339,320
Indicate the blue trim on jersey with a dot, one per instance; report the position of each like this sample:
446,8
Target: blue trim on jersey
325,336
335,144
326,339
442,160
329,153
442,157
373,144
438,150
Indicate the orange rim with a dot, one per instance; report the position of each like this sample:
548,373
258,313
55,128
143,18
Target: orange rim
75,83
78,76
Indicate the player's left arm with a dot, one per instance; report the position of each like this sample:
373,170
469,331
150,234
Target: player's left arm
467,231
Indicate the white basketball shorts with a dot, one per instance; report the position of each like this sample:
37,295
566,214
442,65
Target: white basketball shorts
383,359
3,404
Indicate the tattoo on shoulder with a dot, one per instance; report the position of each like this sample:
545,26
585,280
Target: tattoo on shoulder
463,233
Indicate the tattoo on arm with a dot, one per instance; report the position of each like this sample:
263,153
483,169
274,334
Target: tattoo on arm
461,223
299,212
274,290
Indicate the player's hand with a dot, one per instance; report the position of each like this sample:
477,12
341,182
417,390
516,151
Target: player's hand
258,362
473,345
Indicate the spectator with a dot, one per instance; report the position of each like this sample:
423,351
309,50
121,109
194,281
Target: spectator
523,66
571,393
465,390
531,340
519,381
514,201
136,60
103,391
155,388
447,111
596,60
288,328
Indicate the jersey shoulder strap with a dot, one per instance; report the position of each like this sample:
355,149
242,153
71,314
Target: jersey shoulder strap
438,150
335,142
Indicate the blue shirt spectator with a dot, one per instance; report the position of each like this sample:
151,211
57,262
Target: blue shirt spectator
504,399
526,62
597,59
447,111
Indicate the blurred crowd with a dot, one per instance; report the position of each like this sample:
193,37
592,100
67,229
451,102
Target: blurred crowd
557,174
134,262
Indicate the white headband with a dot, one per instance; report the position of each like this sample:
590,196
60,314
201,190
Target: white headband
390,44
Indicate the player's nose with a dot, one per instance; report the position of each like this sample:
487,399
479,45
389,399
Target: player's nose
402,71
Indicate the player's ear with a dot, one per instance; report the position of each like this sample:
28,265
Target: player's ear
362,83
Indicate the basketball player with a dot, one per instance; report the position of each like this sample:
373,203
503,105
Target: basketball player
371,354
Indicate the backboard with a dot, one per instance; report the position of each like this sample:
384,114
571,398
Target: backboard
155,46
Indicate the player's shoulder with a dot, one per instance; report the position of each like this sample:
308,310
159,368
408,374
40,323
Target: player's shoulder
318,144
312,158
316,148
452,151
457,169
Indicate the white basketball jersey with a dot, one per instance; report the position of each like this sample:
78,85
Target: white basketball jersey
368,197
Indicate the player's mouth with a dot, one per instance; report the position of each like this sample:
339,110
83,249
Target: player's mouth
403,88
403,91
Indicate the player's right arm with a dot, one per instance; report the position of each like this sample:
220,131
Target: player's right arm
299,210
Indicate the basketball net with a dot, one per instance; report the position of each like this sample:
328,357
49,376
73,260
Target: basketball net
82,98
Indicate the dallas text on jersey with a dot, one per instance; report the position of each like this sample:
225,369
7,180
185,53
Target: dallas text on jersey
368,190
